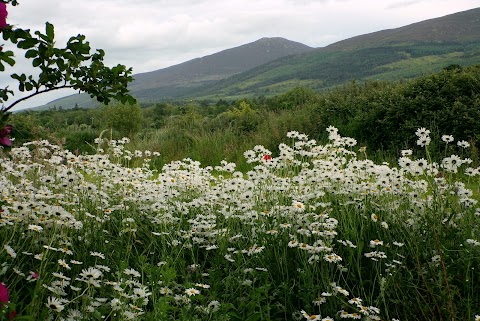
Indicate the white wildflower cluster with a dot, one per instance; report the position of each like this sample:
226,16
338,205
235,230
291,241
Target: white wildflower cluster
423,135
87,217
473,242
449,165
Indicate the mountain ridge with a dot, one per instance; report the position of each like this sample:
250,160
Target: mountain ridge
219,65
377,55
407,51
445,28
184,76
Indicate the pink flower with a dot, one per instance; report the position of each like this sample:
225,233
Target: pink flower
4,299
33,276
3,15
3,294
4,133
267,157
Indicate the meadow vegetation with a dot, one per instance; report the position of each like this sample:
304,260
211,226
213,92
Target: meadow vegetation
309,232
381,115
253,209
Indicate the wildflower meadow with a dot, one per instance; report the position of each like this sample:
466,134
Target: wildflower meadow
310,232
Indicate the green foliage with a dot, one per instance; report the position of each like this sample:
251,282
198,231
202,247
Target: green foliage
241,116
79,139
334,233
325,68
383,116
27,127
73,66
125,119
294,98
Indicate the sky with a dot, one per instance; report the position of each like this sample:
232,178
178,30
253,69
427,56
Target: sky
152,34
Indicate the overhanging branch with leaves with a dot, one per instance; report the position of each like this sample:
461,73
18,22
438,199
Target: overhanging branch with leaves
73,66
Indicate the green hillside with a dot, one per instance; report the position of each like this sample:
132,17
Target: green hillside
418,49
179,80
327,68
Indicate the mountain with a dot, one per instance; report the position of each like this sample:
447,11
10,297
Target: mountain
274,65
220,65
459,27
180,79
405,52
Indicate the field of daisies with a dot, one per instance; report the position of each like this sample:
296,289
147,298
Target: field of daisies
311,232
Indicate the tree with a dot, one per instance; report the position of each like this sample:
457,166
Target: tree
125,119
73,66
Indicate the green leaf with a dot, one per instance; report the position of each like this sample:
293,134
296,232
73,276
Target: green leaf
18,77
36,62
50,31
7,56
131,100
22,33
2,67
6,33
42,36
3,118
27,43
11,35
61,64
9,60
31,53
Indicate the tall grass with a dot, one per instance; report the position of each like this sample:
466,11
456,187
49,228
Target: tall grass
305,232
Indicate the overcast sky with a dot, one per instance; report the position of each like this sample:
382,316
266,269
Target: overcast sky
152,34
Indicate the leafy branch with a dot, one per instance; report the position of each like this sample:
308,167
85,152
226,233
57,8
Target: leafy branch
12,2
73,66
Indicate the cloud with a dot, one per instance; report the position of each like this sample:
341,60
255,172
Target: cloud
403,4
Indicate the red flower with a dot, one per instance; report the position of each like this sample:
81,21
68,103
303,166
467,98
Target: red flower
267,157
3,294
12,315
4,299
3,15
4,133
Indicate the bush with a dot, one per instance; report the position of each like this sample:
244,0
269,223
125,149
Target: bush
79,139
125,119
